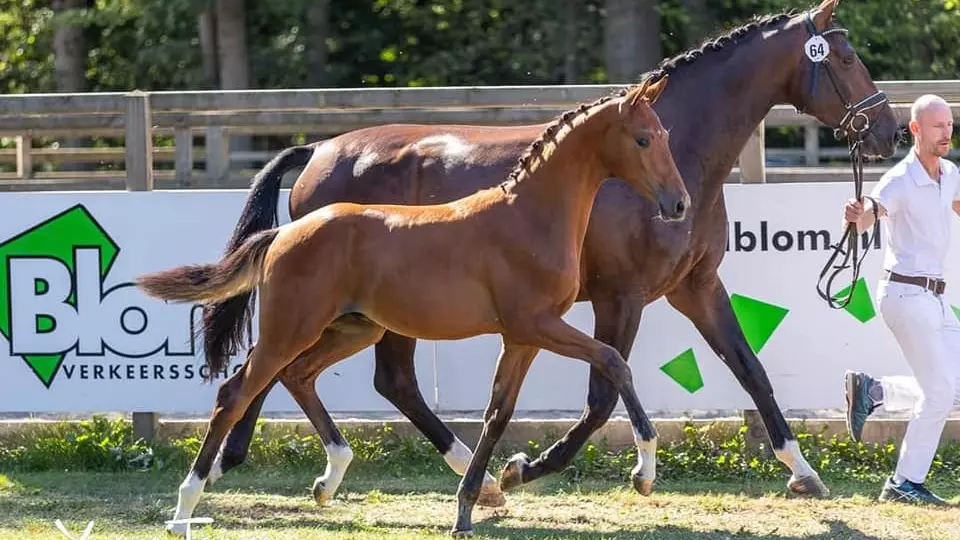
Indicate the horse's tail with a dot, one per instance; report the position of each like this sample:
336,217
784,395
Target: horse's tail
236,273
224,322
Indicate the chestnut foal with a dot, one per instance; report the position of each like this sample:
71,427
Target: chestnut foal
504,260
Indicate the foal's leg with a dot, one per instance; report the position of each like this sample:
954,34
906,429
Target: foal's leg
234,450
554,334
234,396
617,319
705,302
396,380
344,338
511,369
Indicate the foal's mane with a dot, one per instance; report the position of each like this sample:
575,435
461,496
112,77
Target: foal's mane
537,148
666,67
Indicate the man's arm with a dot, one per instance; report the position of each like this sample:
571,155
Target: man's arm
956,207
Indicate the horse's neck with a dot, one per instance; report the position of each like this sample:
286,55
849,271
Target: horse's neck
558,194
714,125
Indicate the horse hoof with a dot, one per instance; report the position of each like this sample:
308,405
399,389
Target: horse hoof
511,475
461,534
177,529
810,486
491,497
642,486
320,493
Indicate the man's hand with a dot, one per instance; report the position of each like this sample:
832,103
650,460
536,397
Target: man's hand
853,210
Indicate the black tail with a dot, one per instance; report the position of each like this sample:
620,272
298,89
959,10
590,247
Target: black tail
224,322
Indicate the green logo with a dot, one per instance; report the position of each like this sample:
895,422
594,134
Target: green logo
53,300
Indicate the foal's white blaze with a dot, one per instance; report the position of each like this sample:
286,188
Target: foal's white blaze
646,456
187,499
791,456
338,459
458,458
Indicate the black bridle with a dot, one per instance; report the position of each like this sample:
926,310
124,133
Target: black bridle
853,126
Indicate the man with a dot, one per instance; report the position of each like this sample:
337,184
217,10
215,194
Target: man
915,199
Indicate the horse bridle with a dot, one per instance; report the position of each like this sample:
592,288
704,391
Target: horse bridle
853,126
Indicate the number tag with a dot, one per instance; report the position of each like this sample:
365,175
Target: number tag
817,49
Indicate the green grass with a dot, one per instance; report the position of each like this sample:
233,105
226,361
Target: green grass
708,488
274,505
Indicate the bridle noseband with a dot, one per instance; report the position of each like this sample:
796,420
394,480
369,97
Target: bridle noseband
853,126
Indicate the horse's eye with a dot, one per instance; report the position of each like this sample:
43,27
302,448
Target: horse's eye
643,142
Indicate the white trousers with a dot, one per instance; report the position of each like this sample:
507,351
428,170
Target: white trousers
928,333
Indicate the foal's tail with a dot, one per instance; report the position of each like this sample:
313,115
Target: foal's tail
235,274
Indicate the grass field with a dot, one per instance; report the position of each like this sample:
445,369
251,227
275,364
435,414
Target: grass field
250,503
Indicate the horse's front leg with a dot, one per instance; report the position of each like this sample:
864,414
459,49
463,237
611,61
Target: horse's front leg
617,319
703,299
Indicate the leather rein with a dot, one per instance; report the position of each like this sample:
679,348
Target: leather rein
853,126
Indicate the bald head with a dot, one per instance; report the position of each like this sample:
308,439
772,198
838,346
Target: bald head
931,123
925,103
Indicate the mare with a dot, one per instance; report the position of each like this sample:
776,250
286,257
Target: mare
504,260
718,95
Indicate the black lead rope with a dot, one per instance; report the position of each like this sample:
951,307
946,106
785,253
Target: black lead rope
850,238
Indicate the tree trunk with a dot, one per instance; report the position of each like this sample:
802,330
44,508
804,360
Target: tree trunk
701,21
318,30
70,67
232,59
571,39
631,38
207,31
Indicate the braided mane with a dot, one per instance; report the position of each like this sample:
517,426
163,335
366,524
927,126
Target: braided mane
716,43
535,149
666,67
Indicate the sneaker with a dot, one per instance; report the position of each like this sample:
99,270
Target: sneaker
859,404
909,492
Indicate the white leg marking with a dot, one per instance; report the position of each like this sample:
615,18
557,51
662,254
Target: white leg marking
187,499
458,458
793,458
646,456
216,471
338,459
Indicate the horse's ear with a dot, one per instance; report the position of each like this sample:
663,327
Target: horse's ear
630,100
824,12
655,89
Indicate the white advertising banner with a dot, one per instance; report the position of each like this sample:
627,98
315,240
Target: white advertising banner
76,336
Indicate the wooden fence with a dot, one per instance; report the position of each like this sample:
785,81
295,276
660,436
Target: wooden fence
212,116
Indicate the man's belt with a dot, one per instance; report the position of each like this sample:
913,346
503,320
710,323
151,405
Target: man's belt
932,284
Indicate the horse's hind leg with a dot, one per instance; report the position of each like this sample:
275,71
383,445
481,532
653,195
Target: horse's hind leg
280,343
347,336
235,448
396,380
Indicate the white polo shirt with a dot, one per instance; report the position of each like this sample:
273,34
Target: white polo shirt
919,213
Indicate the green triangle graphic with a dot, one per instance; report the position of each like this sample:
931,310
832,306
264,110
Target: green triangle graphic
758,320
861,305
54,238
956,311
684,370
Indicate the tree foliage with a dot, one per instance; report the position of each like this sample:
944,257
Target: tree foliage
153,44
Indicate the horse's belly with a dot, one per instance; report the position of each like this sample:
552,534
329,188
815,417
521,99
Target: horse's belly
418,308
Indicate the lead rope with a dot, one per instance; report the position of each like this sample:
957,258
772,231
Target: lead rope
850,237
